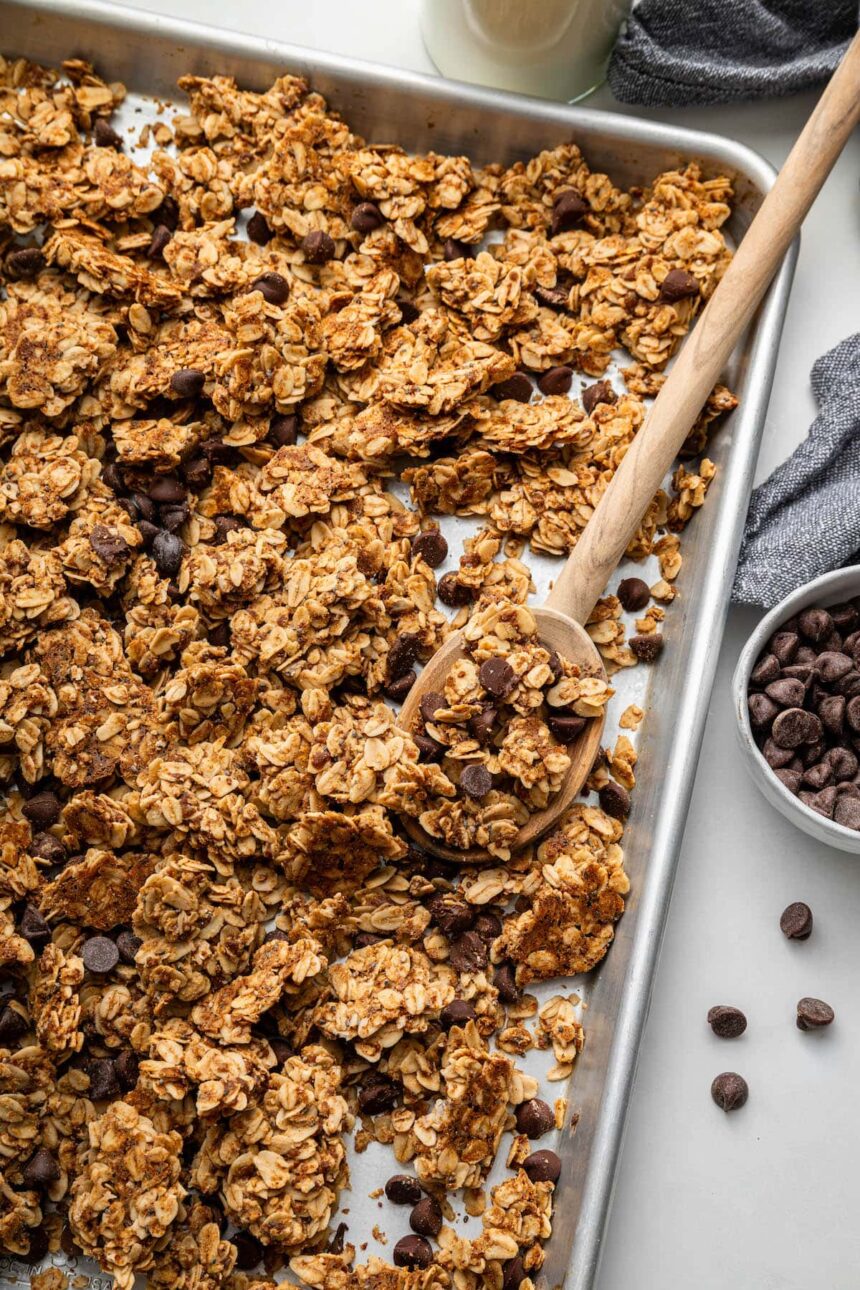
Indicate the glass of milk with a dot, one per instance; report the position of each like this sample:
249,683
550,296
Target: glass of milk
556,49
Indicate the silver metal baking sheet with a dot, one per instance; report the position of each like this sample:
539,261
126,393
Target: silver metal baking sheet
148,53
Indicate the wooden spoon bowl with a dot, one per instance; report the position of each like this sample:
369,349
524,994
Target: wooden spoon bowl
571,642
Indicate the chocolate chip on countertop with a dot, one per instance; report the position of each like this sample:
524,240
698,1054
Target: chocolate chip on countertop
468,953
815,624
497,677
161,235
100,955
34,929
403,1189
188,383
284,430
41,1170
412,1252
614,800
431,546
517,387
109,544
726,1022
258,230
167,553
366,217
730,1091
543,1166
557,380
648,647
535,1118
796,921
678,284
397,690
274,288
476,781
566,728
795,726
378,1095
128,944
567,210
600,392
318,247
105,136
26,261
426,1217
456,1013
43,809
635,594
812,1014
454,593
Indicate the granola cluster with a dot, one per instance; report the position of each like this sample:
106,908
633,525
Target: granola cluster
240,383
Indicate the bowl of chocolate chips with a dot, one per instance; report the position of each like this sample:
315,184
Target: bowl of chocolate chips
797,700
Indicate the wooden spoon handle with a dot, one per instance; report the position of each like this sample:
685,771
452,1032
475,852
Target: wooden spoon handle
702,358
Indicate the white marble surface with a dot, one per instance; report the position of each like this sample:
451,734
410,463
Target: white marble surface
765,1199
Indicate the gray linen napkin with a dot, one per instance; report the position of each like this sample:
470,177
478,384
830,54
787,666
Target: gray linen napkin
680,52
805,519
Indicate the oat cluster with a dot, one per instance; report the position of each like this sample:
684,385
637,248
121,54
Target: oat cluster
220,957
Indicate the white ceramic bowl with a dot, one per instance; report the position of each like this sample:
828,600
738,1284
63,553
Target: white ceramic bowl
829,589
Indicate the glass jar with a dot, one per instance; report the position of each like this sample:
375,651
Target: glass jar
556,49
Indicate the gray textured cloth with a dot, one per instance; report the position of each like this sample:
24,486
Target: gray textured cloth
805,519
679,52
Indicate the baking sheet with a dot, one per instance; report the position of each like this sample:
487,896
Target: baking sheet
148,53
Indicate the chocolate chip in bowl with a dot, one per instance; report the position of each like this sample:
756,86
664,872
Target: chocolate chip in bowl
796,693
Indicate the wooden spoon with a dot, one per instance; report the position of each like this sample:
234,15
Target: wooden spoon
585,574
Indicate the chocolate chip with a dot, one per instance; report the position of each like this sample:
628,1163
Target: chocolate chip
844,763
786,692
188,383
852,712
26,261
726,1022
258,230
796,921
431,703
765,670
46,847
43,809
784,646
456,1013
469,953
831,714
402,654
729,1091
476,781
812,1014
635,594
543,1166
824,803
791,778
161,235
109,545
366,217
167,488
274,288
557,380
454,250
567,210
397,689
426,1217
41,1170
488,925
832,667
223,525
284,430
454,593
795,726
34,929
431,546
678,284
815,624
13,1025
535,1118
112,476
517,387
173,517
363,939
481,726
504,979
167,553
647,648
412,1252
497,677
403,1189
847,812
103,1081
104,135
249,1251
168,212
318,247
39,1245
513,1274
408,311
143,507
614,800
600,392
552,297
128,944
845,616
428,749
378,1095
818,776
566,728
450,914
126,1067
100,955
336,1244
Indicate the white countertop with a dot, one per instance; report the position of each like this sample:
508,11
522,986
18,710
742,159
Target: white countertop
767,1198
